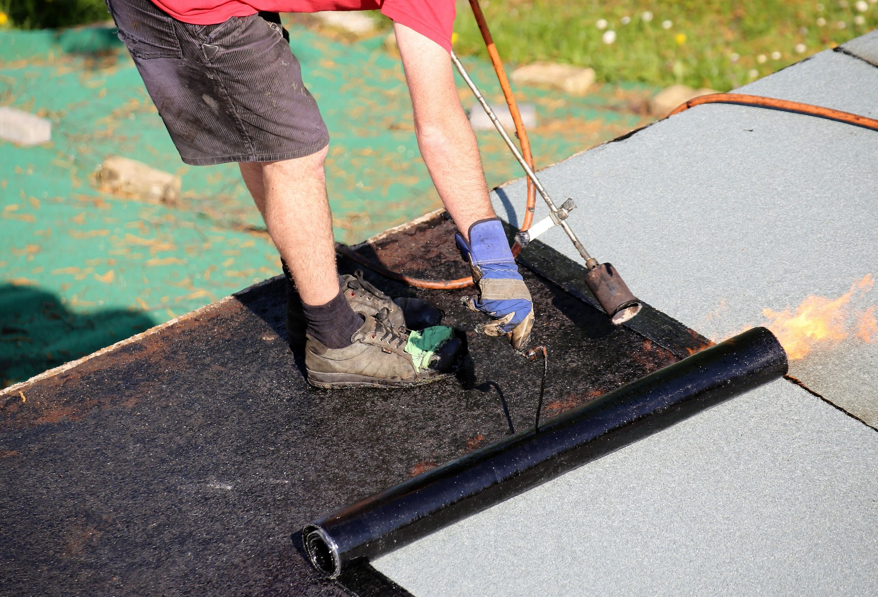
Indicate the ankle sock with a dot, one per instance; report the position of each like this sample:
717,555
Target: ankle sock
334,323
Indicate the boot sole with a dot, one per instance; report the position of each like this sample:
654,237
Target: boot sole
327,381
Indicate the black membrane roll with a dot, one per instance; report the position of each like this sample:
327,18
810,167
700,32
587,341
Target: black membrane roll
406,512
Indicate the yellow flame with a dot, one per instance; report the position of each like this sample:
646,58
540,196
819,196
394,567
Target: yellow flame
867,326
822,321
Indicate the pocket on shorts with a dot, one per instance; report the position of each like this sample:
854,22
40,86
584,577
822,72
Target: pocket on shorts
145,29
216,33
141,48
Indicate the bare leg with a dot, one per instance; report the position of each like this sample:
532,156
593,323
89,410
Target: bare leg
251,172
445,138
291,195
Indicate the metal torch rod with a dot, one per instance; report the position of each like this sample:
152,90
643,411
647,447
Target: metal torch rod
589,261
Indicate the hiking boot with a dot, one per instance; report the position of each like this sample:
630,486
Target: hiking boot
384,357
403,312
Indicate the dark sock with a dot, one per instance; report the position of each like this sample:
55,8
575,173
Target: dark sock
334,323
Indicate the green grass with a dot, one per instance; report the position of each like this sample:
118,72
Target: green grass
45,14
708,43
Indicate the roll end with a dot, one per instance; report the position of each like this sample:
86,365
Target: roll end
773,347
322,551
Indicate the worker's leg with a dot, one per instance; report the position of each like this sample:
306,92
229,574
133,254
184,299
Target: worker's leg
291,194
407,312
251,173
451,153
345,349
233,92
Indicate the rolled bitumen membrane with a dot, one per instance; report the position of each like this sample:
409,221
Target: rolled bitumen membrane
411,510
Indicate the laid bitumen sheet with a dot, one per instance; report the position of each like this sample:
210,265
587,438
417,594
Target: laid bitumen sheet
711,216
187,460
722,211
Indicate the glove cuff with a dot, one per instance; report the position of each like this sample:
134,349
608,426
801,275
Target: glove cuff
488,243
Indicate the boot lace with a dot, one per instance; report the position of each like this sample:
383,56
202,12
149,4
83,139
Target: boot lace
360,283
386,334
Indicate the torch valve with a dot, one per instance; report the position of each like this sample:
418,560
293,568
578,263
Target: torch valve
555,217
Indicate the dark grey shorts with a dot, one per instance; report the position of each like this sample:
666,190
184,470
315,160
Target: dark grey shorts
231,92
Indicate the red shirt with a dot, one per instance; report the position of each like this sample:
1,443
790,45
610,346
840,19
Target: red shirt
432,18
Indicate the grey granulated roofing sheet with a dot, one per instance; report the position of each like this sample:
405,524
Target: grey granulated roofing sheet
711,216
772,493
722,211
864,47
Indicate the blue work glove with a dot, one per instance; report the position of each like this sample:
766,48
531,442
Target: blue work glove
502,292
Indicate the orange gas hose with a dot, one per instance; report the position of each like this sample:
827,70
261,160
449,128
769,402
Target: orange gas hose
416,282
525,152
778,104
513,110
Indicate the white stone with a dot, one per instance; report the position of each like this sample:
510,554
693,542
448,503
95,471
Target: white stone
574,80
671,97
355,23
24,128
136,180
480,121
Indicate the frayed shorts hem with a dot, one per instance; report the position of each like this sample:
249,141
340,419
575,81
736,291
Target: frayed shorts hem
259,157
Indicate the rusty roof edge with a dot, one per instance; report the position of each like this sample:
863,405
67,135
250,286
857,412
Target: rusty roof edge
136,337
121,343
186,316
203,310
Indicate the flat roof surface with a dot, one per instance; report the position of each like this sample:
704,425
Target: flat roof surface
187,459
712,216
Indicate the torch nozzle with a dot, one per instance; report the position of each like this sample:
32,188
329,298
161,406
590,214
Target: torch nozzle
612,293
